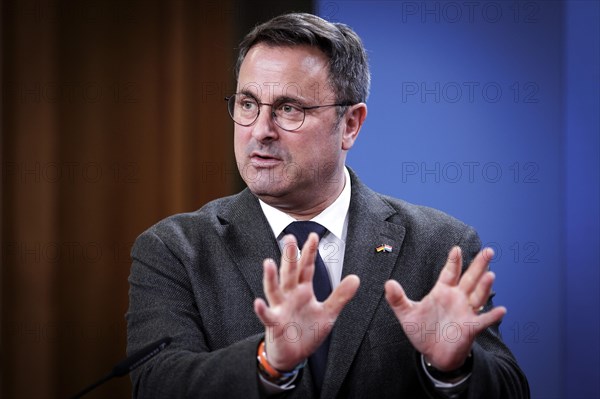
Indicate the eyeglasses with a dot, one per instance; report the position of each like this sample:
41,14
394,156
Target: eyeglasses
244,110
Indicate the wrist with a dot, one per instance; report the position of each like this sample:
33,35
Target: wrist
449,376
271,373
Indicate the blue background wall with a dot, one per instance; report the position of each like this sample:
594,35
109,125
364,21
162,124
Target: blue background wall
489,111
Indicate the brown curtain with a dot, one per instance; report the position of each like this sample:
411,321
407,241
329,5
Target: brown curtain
112,119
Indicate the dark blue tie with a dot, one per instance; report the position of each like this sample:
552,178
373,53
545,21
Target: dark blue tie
322,288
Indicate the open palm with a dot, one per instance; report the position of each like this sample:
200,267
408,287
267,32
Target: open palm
444,324
296,323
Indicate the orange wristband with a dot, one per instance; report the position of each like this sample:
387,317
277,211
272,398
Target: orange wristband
271,373
262,359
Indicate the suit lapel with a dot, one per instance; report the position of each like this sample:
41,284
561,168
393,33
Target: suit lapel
248,238
367,228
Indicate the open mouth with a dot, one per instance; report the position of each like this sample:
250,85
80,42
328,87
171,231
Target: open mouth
263,160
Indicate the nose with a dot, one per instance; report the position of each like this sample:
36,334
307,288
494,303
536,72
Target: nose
264,128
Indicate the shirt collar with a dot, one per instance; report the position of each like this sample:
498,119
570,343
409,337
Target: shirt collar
332,217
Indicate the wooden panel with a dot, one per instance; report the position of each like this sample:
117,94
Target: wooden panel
103,135
112,119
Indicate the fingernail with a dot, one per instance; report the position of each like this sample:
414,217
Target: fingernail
488,254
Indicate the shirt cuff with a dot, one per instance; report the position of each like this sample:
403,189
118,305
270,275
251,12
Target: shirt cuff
272,389
441,384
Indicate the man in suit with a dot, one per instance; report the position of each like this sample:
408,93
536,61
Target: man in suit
334,319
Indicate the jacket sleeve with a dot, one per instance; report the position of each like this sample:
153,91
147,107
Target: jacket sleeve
161,303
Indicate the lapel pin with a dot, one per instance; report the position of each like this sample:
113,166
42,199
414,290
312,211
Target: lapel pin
384,248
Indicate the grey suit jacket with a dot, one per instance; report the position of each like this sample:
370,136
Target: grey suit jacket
195,276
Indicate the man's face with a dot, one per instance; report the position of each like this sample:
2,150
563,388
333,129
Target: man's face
291,170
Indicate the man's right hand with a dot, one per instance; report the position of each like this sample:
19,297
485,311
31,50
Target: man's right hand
295,322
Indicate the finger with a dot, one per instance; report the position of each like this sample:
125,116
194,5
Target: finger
476,269
270,283
342,294
482,292
307,260
487,319
262,311
451,272
289,263
396,297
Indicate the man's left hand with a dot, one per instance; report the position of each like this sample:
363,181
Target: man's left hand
444,324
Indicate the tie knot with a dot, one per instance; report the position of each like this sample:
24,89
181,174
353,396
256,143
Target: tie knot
301,230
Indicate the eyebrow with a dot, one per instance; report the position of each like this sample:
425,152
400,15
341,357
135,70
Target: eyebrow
278,100
249,94
288,99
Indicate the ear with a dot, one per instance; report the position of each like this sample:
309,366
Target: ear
353,120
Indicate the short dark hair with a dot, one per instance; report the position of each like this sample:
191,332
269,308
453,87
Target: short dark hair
348,64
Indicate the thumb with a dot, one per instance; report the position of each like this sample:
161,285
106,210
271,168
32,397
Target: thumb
396,297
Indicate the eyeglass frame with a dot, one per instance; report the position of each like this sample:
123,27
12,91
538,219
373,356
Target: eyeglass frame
274,116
